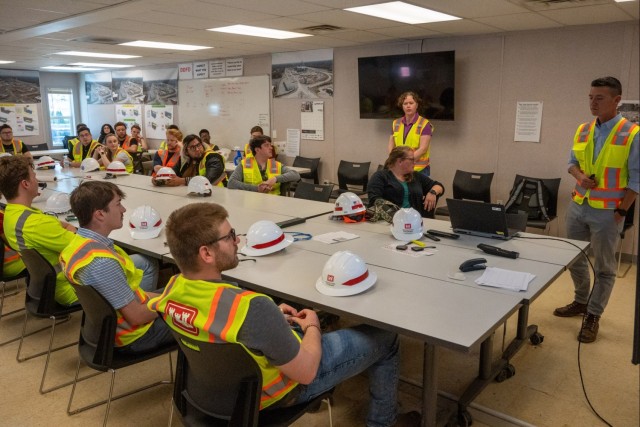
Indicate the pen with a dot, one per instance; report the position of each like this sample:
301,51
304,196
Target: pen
419,243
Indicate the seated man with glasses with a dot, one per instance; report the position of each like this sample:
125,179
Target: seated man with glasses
261,172
11,145
195,160
91,259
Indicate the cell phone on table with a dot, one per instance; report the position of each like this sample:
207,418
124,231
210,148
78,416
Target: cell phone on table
71,218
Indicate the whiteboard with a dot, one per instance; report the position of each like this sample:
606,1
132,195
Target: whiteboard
228,107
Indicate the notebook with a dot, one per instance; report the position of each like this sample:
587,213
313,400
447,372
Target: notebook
484,219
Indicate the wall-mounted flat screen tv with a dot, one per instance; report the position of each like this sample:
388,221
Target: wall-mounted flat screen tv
383,78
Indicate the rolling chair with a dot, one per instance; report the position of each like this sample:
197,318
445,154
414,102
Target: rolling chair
221,385
317,192
553,186
469,186
38,147
628,223
306,162
352,175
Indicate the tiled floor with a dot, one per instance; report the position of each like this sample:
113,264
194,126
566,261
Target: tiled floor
545,391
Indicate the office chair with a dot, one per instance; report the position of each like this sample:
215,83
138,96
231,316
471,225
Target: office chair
317,192
628,223
96,348
469,186
221,385
38,147
350,176
40,302
310,163
553,186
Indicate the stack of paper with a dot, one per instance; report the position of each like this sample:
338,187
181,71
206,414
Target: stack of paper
506,279
336,237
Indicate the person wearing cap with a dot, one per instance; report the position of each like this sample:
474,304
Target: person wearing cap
92,259
295,367
261,172
400,184
170,155
26,227
81,147
112,151
10,145
196,160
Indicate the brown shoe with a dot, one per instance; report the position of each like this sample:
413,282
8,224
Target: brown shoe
409,419
589,330
570,310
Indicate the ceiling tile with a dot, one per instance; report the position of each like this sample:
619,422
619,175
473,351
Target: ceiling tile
587,15
519,21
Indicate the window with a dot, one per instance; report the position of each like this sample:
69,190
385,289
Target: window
61,117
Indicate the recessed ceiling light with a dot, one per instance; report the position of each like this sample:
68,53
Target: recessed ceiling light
66,68
247,30
95,64
96,54
161,45
7,62
623,1
403,12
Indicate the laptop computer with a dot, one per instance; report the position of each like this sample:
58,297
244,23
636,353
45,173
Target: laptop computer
484,219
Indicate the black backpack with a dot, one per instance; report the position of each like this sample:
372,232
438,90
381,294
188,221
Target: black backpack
529,196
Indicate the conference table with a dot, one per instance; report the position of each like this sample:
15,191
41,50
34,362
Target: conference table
415,293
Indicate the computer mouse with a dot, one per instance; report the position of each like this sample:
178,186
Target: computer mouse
473,264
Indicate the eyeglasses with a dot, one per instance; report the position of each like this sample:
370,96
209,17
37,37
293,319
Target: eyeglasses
6,132
409,158
231,236
195,147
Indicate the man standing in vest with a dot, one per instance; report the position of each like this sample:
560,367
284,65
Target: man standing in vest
170,155
82,147
91,259
124,140
261,172
604,162
10,145
295,367
29,228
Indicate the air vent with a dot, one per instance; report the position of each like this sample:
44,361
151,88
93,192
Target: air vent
100,40
321,29
540,5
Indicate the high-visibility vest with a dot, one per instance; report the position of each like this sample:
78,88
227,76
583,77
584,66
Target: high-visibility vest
247,150
77,149
13,264
80,253
17,147
413,139
251,172
128,165
610,168
125,143
202,168
168,158
215,312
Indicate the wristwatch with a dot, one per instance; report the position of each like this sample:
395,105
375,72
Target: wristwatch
620,211
432,191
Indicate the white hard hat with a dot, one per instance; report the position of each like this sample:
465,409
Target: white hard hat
4,154
117,168
199,186
407,225
45,162
145,223
58,203
344,274
264,238
89,165
349,204
165,173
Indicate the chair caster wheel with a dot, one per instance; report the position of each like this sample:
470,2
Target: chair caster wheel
464,418
537,338
506,373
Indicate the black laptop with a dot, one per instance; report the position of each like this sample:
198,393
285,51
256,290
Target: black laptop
484,219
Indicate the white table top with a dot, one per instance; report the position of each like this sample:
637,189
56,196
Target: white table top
52,152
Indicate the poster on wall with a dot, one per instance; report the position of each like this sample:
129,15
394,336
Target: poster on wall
306,74
161,86
127,87
312,120
20,87
528,121
129,114
157,118
23,118
98,88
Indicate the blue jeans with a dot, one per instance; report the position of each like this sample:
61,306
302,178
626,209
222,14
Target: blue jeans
348,352
157,335
149,267
426,171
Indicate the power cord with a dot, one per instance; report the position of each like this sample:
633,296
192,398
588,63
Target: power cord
593,270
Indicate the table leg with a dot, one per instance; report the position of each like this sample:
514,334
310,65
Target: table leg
430,386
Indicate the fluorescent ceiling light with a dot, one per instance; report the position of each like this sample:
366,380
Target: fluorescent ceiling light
160,45
95,64
247,30
7,62
403,12
623,1
66,68
96,54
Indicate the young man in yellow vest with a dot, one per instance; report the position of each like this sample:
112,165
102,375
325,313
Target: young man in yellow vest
81,147
91,259
261,172
604,162
11,145
26,227
295,367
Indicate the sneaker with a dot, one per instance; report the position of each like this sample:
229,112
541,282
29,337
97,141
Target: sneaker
570,310
589,330
409,419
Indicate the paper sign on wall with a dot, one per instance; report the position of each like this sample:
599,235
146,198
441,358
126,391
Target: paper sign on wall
234,67
216,68
185,71
201,70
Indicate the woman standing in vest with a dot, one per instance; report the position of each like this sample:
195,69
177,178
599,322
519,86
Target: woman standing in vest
111,152
413,131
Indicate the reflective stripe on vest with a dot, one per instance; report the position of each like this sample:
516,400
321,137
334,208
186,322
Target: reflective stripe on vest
10,255
80,253
77,150
251,172
17,147
202,168
413,139
128,165
610,168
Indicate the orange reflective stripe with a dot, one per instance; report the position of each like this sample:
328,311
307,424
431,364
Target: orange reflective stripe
232,314
212,313
616,130
166,291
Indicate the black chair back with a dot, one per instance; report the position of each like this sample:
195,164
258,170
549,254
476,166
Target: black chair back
553,187
353,173
38,147
472,186
41,289
98,328
628,219
310,163
317,192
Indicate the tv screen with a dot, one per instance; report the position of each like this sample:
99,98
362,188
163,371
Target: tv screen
383,78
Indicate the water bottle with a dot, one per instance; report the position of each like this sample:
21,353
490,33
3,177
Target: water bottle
238,157
65,162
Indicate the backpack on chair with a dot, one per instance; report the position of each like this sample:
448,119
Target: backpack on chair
529,196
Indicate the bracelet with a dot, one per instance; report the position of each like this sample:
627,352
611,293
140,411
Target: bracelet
313,325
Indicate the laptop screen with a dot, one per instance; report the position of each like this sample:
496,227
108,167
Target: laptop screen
482,219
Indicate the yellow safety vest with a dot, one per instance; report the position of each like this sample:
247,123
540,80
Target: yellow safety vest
128,165
413,139
215,312
13,264
251,172
610,168
202,168
77,149
80,253
17,147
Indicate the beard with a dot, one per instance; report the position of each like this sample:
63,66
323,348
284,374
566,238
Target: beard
225,261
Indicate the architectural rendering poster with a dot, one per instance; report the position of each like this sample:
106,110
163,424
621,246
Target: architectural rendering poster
127,87
20,87
161,86
130,114
98,88
23,118
630,110
156,120
304,75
